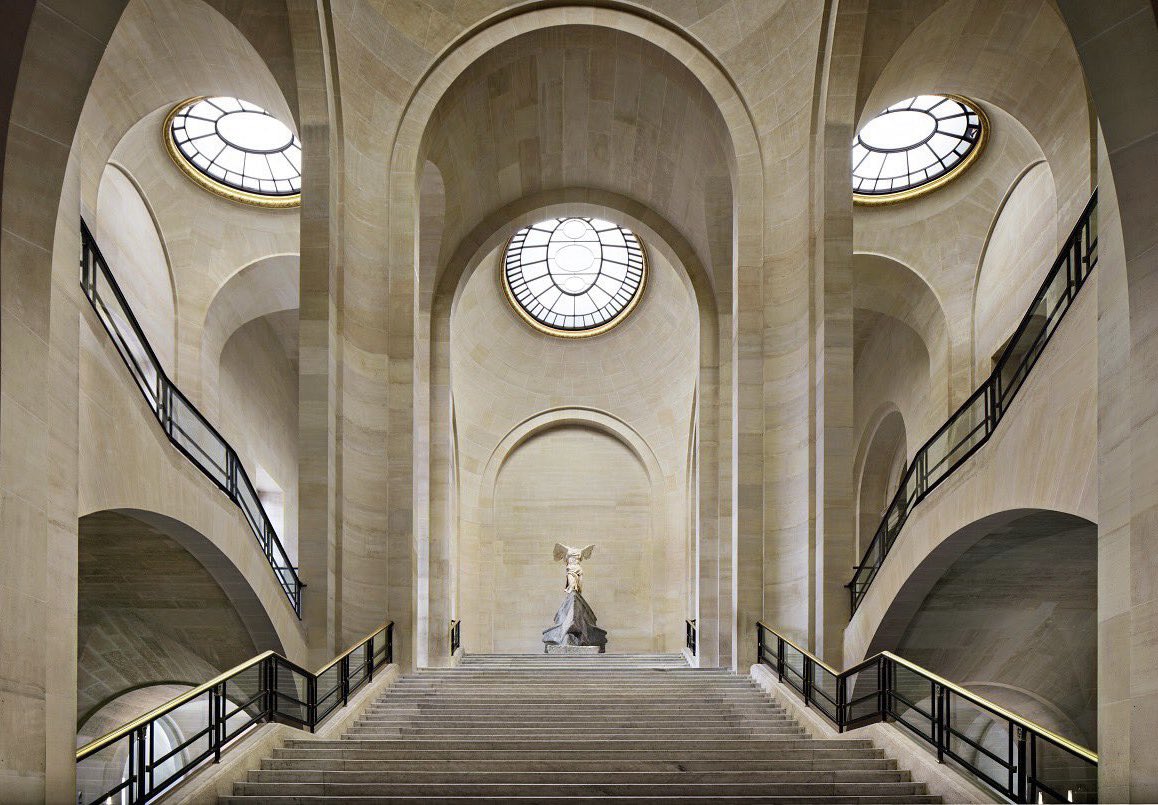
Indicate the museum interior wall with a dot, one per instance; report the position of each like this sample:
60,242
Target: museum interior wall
728,449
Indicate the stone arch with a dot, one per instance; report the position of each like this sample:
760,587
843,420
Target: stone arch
107,769
991,580
885,286
224,572
131,240
265,286
1118,48
405,163
648,565
880,467
435,407
1012,266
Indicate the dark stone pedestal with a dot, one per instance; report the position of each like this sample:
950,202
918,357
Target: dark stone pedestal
574,626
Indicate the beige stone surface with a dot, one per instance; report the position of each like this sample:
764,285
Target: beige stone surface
719,131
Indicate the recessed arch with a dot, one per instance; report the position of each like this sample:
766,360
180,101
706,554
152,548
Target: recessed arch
880,466
263,287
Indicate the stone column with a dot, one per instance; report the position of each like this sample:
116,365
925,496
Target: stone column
1118,46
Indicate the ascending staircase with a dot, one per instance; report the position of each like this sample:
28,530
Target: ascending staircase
548,729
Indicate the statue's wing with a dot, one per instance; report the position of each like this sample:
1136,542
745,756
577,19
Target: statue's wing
590,549
560,552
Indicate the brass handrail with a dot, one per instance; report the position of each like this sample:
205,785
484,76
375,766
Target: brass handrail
940,680
92,747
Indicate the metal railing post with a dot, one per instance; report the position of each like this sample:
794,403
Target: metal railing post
841,702
271,686
807,666
141,766
940,693
1020,791
344,673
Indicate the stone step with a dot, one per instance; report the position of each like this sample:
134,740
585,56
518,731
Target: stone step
484,754
555,789
508,777
309,762
536,729
575,745
758,799
593,734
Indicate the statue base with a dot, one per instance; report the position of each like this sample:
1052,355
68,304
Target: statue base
574,627
552,648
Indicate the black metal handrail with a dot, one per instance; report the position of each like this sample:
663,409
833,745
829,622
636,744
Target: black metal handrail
187,429
973,423
146,757
455,636
690,637
1018,758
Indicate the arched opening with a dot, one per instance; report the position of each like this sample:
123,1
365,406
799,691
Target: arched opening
1020,251
576,485
157,605
882,467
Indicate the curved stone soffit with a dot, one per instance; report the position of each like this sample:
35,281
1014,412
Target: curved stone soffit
562,417
988,239
112,164
264,286
899,612
871,429
744,155
228,576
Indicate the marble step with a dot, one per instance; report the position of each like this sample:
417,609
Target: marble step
593,734
508,777
781,751
757,799
555,789
574,745
309,762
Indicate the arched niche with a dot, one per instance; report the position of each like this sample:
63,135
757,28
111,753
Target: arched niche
265,287
1018,254
886,291
131,243
881,464
671,341
406,162
577,476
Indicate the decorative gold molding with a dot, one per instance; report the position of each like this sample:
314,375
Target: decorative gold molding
206,182
942,180
554,331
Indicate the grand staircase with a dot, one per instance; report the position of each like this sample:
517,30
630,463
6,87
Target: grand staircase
552,729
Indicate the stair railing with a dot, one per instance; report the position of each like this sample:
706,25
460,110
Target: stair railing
1021,760
455,636
690,636
146,757
187,429
973,423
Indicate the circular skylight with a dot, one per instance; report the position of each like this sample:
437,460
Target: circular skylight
236,149
574,276
915,146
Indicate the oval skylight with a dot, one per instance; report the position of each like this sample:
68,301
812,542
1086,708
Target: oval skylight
574,276
237,150
915,146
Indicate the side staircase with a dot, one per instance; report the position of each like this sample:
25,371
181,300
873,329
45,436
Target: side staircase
550,729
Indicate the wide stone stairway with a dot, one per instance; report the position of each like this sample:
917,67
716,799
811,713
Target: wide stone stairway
549,729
